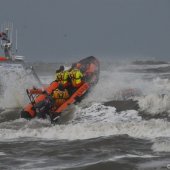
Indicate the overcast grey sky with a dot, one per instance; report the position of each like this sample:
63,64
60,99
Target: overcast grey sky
57,30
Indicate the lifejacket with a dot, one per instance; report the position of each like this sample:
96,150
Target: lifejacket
62,77
76,77
60,96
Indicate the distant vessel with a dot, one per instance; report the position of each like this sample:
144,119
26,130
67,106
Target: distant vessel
7,43
10,61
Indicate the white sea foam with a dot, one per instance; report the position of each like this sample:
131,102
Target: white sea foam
155,104
46,79
13,85
105,122
153,95
111,85
97,120
2,154
157,97
161,145
130,156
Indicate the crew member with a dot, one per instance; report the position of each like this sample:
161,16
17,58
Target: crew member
62,76
60,69
60,95
44,107
3,36
76,76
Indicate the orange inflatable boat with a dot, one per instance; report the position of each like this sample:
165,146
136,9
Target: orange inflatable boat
90,68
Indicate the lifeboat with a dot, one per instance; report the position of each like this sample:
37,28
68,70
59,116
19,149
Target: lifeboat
3,58
10,62
90,68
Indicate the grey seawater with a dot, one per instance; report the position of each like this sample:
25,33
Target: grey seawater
118,152
114,152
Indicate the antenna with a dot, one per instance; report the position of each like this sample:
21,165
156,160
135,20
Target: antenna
1,31
16,40
11,31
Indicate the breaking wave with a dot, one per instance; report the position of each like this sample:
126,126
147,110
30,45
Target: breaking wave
92,119
13,85
92,122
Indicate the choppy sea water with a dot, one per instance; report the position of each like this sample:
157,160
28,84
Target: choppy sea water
92,134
